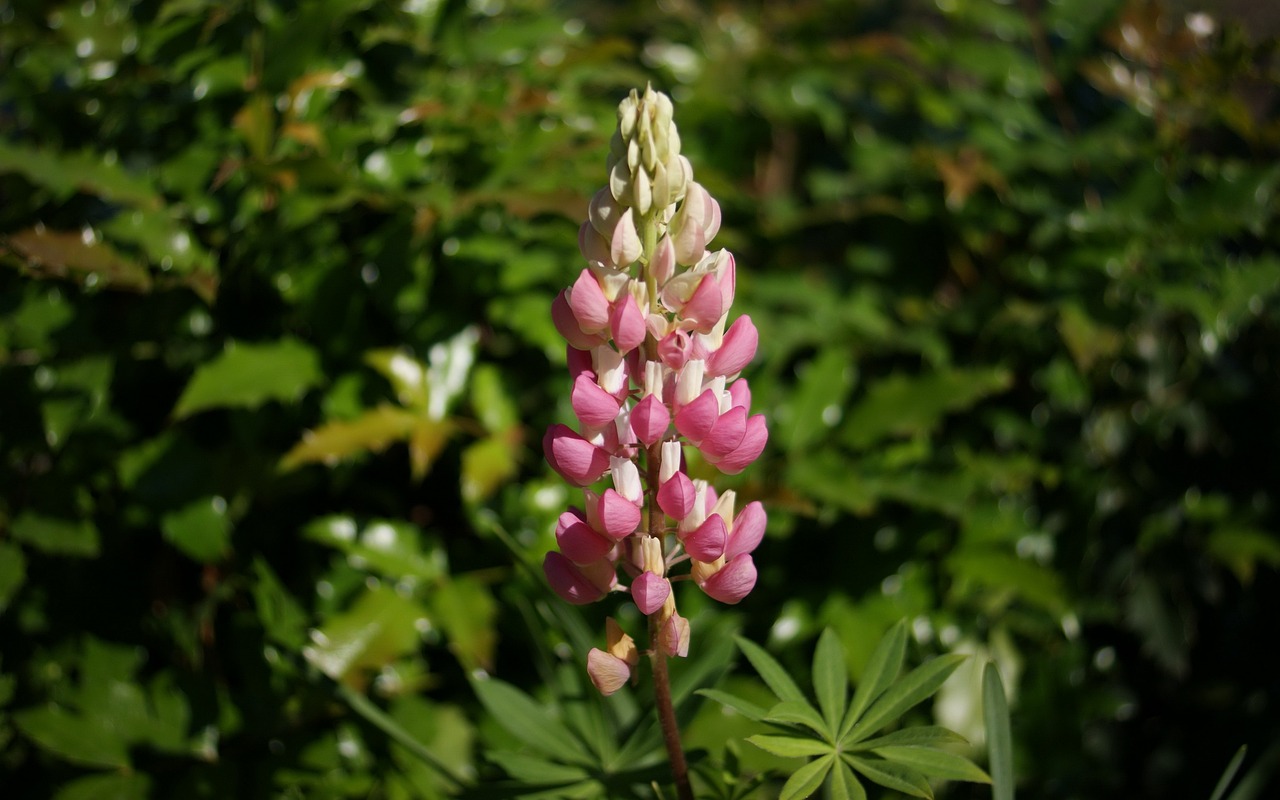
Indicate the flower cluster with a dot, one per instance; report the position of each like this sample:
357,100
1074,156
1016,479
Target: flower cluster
654,370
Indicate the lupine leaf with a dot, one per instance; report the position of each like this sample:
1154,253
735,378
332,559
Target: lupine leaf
918,736
747,709
892,776
995,714
527,721
881,671
918,684
806,780
844,785
830,678
773,674
798,713
790,746
933,762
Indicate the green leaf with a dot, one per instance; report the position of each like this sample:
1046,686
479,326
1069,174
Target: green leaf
934,762
773,674
407,375
1003,572
995,716
914,687
881,671
806,780
448,366
13,572
791,712
747,709
534,770
380,627
391,548
1229,773
528,721
56,536
200,529
892,776
466,611
790,746
844,785
75,738
281,615
70,254
248,375
905,406
372,432
822,387
488,463
830,679
131,786
917,735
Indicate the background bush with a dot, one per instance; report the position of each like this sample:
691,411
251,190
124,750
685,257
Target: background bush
275,358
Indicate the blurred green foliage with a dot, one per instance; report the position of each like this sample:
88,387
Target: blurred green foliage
275,355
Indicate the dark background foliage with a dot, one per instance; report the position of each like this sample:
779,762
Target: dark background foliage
275,358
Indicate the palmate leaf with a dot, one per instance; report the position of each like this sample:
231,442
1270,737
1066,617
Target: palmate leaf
844,785
771,672
790,746
934,763
882,670
830,678
529,722
917,685
806,780
798,713
995,713
747,709
918,736
892,776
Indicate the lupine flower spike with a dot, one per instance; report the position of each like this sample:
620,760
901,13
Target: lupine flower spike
654,365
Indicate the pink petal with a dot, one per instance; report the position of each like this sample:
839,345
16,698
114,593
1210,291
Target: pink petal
618,517
579,543
594,406
626,322
706,542
706,305
592,245
674,349
695,420
567,324
578,461
737,349
748,530
733,582
752,446
608,672
650,420
579,361
663,263
726,435
740,393
650,591
571,582
588,303
726,277
675,497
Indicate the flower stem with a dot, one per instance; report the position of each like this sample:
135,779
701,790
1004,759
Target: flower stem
667,716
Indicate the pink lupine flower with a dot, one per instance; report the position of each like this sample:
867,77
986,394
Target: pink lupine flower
578,541
650,591
731,582
654,363
579,583
577,460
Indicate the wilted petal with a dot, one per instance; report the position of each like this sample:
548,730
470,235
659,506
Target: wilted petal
673,637
588,303
650,420
733,581
675,496
650,591
594,406
748,530
618,516
695,420
608,672
626,322
578,461
577,584
578,541
752,446
737,349
706,542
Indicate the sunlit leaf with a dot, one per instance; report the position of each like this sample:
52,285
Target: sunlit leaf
200,529
55,535
68,254
380,627
464,607
248,375
371,432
